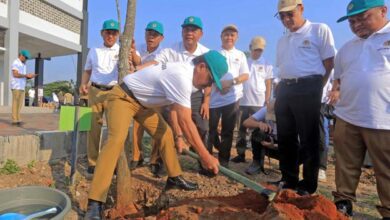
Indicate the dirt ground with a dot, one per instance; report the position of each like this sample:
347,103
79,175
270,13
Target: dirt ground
217,198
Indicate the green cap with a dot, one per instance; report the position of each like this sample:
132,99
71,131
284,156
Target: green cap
218,66
192,21
359,6
155,26
111,25
26,54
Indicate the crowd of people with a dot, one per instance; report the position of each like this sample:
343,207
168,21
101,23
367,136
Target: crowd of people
181,94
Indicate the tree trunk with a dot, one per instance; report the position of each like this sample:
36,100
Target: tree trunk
124,191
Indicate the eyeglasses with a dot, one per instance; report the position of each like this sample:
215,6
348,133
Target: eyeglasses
288,14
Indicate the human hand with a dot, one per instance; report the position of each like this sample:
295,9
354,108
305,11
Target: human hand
180,144
205,110
211,163
333,97
265,127
31,75
226,85
83,89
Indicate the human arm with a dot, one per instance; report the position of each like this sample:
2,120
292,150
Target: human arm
328,64
268,88
205,107
251,122
228,84
16,74
182,122
84,82
334,94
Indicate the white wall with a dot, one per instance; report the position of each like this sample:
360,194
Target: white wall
76,4
3,10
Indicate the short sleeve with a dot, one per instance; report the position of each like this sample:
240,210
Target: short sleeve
327,49
163,56
260,115
244,65
15,65
269,71
337,67
88,63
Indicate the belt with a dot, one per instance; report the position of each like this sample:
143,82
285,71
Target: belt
129,93
300,79
101,87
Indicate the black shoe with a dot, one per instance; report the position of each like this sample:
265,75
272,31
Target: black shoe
254,168
155,169
386,218
285,184
239,159
91,170
302,192
94,210
345,207
208,173
179,182
134,164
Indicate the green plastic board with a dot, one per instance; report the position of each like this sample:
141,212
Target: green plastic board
67,116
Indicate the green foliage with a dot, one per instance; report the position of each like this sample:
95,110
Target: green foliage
10,167
57,86
31,164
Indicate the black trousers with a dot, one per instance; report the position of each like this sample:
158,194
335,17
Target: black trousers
202,125
228,116
246,112
297,110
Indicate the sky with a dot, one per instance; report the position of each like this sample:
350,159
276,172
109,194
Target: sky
252,17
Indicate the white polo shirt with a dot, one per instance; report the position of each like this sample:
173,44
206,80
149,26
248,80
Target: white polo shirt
103,62
254,87
18,83
161,85
145,55
178,53
237,65
363,67
301,53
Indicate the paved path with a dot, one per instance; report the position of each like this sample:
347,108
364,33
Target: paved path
31,123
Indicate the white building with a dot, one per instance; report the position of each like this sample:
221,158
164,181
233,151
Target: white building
47,28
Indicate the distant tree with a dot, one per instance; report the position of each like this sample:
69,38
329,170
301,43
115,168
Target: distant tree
56,87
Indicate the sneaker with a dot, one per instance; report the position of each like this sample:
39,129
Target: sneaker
239,159
322,175
345,207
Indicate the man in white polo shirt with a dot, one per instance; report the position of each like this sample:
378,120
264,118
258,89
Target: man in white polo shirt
224,104
362,79
257,93
18,84
154,35
304,58
101,70
156,86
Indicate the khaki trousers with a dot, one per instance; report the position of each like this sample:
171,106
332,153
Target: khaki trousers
17,103
97,100
138,133
351,143
121,110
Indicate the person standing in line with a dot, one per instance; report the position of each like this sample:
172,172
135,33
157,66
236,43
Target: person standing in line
99,77
224,104
19,76
361,87
154,35
257,94
305,59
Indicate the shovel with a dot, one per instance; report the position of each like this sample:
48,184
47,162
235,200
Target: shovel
18,216
269,194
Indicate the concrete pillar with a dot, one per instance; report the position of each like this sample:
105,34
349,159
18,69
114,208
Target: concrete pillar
38,82
11,42
82,56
